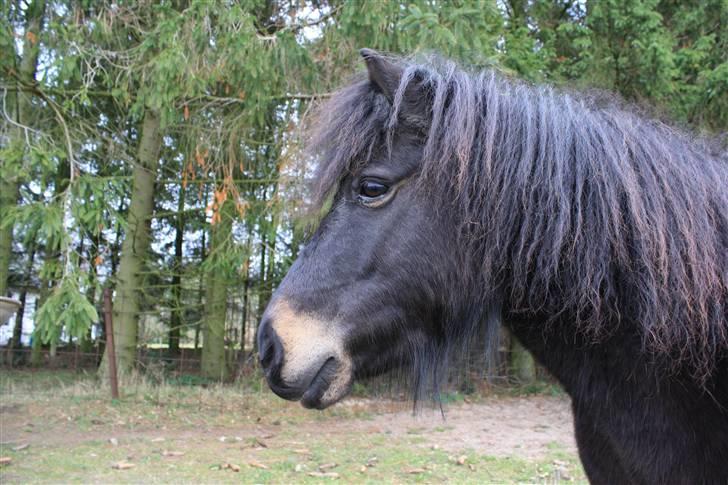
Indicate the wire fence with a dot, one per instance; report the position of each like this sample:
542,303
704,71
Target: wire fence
472,372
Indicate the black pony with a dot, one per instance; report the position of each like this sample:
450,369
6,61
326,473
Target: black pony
597,235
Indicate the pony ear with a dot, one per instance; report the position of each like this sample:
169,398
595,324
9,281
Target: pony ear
383,74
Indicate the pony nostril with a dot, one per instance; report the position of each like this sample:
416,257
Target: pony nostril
270,350
266,354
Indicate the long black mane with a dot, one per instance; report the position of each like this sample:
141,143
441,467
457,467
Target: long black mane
566,201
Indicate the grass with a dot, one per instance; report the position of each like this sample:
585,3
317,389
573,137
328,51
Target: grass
390,462
77,434
397,461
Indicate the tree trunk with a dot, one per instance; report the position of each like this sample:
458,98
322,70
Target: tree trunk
9,181
272,236
8,199
52,351
17,344
213,345
36,347
523,367
86,344
262,290
136,244
201,288
116,245
244,318
175,322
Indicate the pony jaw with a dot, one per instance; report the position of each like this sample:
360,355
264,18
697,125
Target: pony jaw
314,358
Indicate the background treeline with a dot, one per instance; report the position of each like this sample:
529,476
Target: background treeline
153,147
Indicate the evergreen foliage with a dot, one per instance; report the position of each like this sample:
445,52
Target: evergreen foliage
228,85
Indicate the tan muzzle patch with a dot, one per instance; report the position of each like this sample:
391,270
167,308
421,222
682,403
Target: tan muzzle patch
308,342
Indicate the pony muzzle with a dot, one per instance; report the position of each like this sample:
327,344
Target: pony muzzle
303,357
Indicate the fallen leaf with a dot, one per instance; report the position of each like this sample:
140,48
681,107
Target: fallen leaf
5,460
255,464
363,469
462,459
298,467
173,453
122,465
302,451
261,443
327,466
415,471
372,461
231,466
21,447
471,466
323,474
114,441
157,440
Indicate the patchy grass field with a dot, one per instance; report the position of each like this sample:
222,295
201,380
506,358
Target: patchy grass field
61,427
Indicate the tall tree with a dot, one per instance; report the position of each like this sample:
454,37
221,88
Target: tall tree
18,128
136,242
700,32
175,323
522,364
20,315
217,279
632,50
236,79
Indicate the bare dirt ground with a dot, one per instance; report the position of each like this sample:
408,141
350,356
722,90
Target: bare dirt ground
520,426
525,427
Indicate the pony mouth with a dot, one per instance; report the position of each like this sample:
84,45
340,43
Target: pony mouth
323,390
316,396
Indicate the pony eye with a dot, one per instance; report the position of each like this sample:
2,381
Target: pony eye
371,189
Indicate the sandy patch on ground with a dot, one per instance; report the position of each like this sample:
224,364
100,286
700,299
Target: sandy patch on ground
519,426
